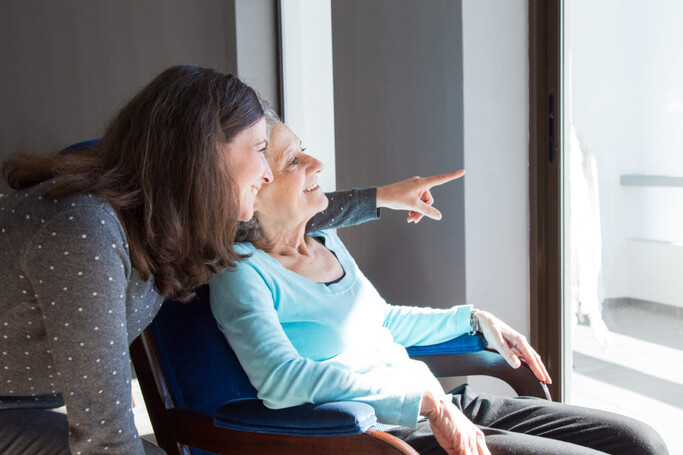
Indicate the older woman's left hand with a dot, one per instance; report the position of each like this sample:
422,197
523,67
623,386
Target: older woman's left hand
414,196
511,344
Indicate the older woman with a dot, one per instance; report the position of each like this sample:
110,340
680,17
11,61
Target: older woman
308,327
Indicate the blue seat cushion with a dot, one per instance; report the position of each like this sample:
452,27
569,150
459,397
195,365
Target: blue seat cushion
325,419
459,345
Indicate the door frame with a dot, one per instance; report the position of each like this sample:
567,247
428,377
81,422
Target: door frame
545,180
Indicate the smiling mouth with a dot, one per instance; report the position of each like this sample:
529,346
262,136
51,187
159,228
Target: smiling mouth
311,188
254,190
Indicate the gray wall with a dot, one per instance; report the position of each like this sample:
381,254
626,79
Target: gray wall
68,65
257,46
398,94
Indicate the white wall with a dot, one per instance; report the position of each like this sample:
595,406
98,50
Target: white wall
308,79
658,267
495,67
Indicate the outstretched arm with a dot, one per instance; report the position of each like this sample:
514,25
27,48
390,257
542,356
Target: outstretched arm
346,208
414,195
356,206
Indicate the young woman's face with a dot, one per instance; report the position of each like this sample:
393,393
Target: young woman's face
247,165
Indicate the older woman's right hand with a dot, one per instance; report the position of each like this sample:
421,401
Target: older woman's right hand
453,431
414,195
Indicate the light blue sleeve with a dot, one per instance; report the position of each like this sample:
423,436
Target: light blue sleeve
243,305
417,326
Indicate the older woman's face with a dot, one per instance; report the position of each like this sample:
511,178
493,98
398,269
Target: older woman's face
294,195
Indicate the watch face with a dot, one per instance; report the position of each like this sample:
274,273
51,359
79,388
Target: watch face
474,323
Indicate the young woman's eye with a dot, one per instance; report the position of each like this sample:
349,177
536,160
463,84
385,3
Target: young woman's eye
263,150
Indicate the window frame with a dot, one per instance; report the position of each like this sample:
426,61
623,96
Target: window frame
545,171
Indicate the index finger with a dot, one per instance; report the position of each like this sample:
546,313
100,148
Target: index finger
440,179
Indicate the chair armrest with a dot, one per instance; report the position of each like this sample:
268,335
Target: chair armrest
199,431
467,355
463,343
488,363
325,419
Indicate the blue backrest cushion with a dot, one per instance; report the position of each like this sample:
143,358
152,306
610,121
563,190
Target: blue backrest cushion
201,369
80,146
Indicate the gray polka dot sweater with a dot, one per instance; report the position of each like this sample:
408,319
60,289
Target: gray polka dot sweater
71,304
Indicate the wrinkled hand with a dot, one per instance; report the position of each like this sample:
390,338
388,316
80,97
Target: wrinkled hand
512,345
453,431
413,195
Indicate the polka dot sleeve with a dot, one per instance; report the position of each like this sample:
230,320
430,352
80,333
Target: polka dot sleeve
346,208
79,267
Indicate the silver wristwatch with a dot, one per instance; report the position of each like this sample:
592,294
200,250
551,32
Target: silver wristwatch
474,322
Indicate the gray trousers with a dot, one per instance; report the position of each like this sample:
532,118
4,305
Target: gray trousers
41,432
525,425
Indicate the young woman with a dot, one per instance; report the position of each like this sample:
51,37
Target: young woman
308,327
91,243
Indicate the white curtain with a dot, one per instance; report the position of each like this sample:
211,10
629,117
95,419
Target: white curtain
585,238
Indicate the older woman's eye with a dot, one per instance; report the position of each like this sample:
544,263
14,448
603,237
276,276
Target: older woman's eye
294,161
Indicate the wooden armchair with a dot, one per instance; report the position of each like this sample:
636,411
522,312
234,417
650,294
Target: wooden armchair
200,400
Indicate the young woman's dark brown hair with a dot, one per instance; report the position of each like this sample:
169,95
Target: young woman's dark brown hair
158,167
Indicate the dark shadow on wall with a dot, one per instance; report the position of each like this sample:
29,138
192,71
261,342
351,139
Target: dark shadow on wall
398,88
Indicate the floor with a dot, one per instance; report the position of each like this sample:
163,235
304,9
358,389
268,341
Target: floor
639,375
142,422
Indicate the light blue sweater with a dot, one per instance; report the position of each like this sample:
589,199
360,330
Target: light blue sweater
305,342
